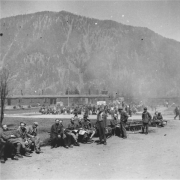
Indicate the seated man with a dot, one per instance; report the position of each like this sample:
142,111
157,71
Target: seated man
13,139
6,145
57,134
75,112
155,116
32,132
87,126
82,135
80,123
25,137
72,130
160,119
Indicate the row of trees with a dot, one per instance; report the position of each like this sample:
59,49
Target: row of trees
70,91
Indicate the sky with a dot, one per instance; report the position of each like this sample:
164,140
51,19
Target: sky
163,16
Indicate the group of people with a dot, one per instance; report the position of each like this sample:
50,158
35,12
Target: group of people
24,140
16,143
89,109
82,130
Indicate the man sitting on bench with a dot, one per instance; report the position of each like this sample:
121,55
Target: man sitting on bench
57,135
72,130
160,119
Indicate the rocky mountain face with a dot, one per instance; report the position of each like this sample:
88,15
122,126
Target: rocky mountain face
51,52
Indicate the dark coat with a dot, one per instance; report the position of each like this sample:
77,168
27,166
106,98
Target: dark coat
146,117
159,117
56,130
72,126
3,136
22,134
124,117
113,122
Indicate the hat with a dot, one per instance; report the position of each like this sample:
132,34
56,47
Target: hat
85,115
36,123
4,126
22,123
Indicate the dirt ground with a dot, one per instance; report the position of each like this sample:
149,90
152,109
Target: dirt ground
152,156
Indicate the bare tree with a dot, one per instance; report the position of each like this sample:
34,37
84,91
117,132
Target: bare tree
4,90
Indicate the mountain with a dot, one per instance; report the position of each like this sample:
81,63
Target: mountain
50,51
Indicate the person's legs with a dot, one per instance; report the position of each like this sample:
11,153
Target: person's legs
146,128
66,140
100,133
104,134
37,144
113,131
124,135
18,150
12,151
92,134
53,142
175,116
74,138
2,151
143,127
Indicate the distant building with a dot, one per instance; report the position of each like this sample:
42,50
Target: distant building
52,99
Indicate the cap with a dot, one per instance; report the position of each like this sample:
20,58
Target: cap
85,115
22,123
36,123
4,126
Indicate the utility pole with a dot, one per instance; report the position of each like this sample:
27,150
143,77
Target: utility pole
68,84
68,96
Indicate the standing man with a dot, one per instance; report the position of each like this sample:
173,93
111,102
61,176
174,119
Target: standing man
123,120
177,112
32,131
101,125
146,118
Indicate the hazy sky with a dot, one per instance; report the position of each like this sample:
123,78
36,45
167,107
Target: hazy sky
163,16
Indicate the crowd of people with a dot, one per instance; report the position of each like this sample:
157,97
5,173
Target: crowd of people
24,140
90,109
82,130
